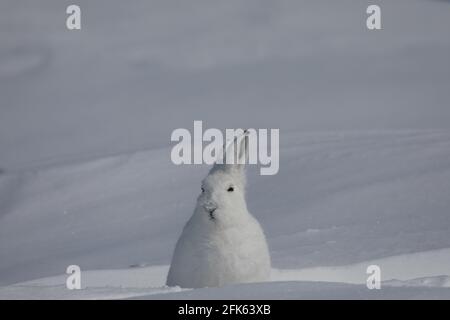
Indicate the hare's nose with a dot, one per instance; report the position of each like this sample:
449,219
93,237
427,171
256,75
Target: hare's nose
210,207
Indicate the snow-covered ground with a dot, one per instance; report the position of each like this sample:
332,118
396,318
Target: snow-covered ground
86,118
341,202
314,283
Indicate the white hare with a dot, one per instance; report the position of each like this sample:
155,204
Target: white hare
222,243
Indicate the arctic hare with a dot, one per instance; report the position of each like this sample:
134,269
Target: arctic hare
222,243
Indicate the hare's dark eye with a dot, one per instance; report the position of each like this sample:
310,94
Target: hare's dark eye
230,189
203,190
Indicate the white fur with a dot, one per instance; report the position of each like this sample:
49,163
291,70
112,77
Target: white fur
223,247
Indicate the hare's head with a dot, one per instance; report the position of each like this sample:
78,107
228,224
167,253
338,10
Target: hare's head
222,197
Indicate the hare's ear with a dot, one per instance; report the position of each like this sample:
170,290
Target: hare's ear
243,150
234,153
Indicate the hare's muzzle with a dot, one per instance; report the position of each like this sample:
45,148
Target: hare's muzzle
210,207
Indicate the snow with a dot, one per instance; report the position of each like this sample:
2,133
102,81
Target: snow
343,282
267,290
135,72
428,267
86,118
363,198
